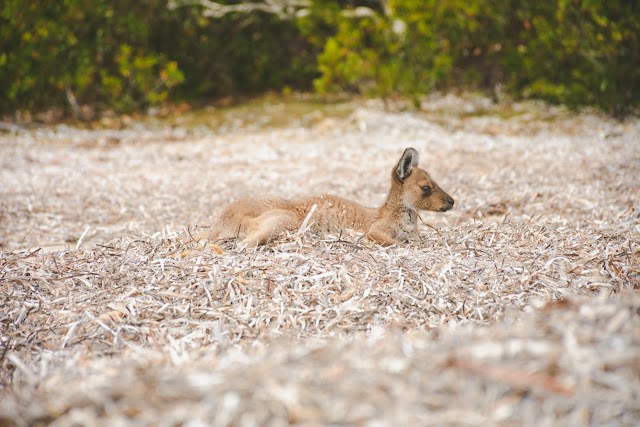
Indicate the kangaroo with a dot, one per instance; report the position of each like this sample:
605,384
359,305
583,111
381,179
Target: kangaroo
257,221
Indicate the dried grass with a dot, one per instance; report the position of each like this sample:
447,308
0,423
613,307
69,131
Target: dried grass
519,308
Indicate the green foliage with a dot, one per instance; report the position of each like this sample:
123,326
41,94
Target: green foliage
571,51
582,53
127,55
97,50
139,78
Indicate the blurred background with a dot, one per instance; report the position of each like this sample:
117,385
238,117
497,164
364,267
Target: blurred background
84,57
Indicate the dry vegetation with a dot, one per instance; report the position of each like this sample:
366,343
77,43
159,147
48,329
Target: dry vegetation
519,307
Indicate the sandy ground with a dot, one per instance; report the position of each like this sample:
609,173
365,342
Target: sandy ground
518,307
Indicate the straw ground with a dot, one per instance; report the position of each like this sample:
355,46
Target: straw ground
519,307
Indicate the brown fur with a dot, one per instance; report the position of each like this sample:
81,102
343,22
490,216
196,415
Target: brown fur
258,221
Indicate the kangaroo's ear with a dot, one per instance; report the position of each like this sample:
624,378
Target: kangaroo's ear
407,162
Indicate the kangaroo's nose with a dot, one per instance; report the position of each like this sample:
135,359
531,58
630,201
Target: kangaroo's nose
450,200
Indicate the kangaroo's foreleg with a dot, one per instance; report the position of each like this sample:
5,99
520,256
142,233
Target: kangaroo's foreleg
381,232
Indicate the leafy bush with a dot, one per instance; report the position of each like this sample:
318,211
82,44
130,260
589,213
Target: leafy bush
127,55
570,51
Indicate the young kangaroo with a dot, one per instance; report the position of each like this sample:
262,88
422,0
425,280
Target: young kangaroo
257,221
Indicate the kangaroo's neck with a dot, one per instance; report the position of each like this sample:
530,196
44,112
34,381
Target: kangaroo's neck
394,206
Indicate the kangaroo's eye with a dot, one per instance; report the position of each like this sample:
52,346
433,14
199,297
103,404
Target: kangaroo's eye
427,190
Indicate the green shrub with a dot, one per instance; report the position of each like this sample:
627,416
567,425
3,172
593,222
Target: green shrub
573,52
98,51
128,55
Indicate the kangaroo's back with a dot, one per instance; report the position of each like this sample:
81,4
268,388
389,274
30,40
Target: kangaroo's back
333,214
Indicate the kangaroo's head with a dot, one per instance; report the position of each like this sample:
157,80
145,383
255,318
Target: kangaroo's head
416,188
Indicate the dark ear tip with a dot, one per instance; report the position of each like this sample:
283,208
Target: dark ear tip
408,160
412,154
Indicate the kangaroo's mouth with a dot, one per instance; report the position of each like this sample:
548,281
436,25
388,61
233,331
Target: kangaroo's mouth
448,205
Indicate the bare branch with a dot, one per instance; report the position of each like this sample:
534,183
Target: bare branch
285,9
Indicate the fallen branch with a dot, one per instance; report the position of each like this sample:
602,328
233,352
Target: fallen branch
514,378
